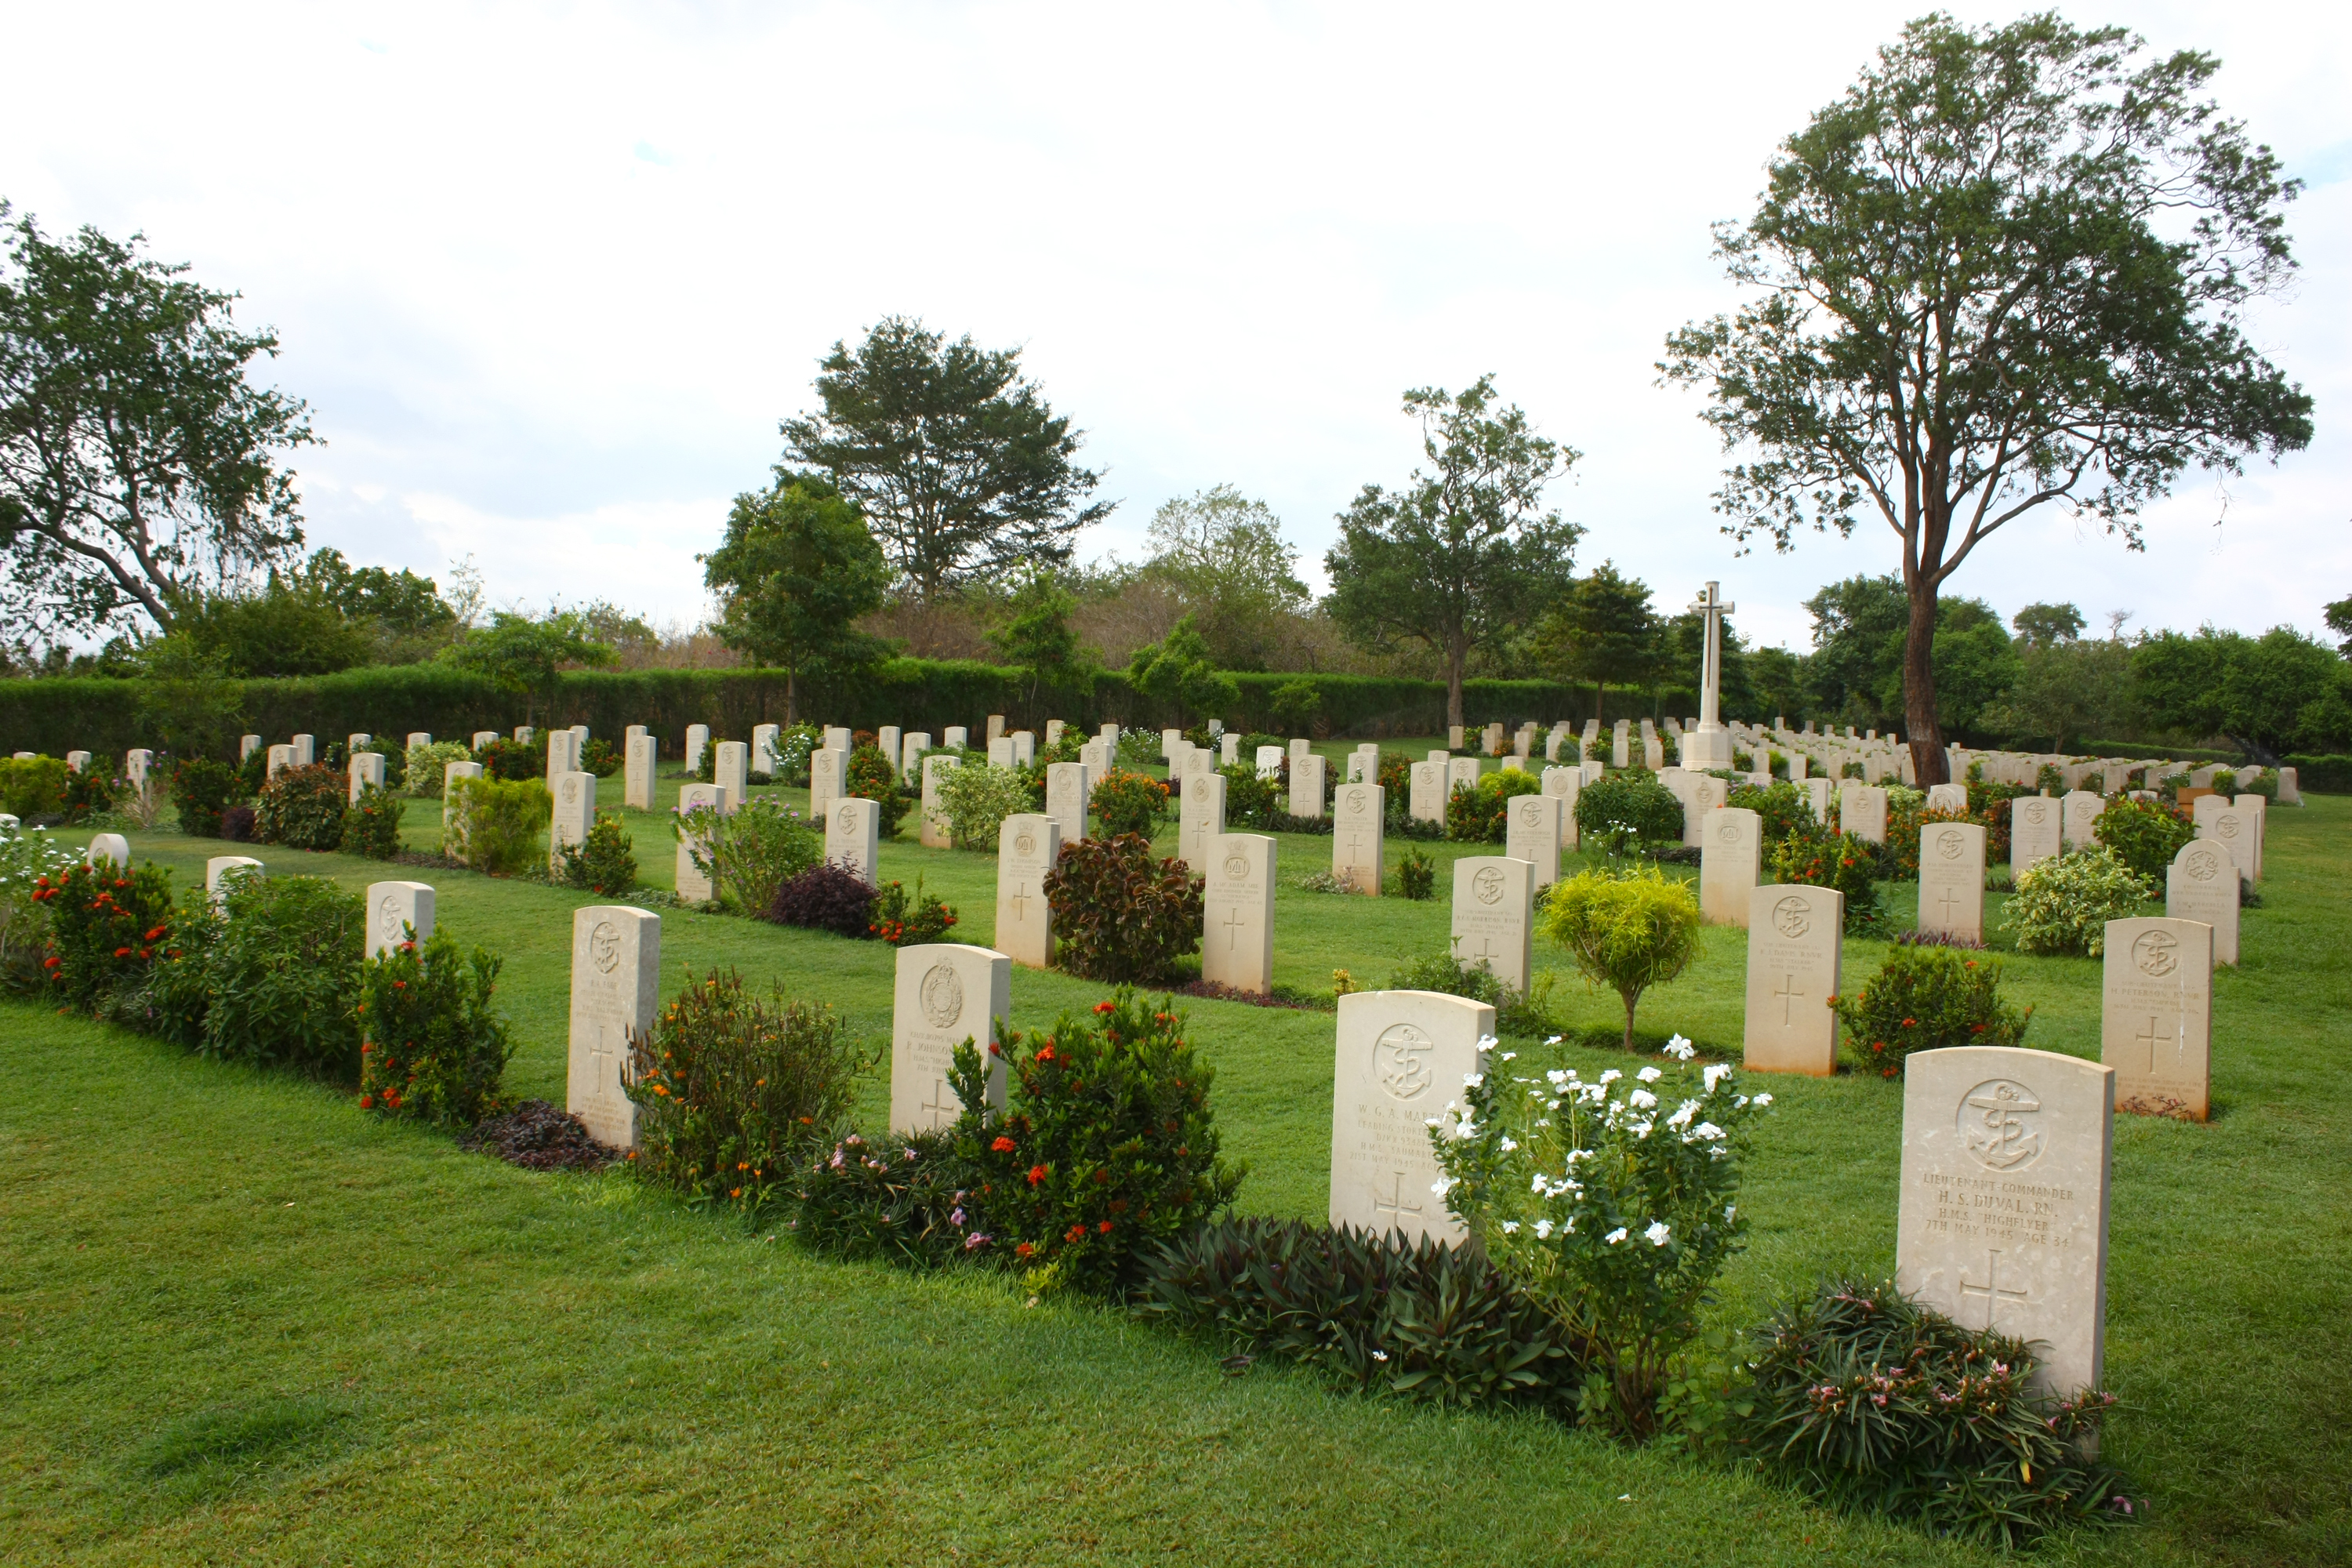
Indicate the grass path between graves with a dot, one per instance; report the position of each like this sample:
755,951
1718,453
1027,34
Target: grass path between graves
245,1321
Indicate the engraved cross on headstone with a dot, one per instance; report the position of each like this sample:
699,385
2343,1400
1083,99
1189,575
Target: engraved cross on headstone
939,1111
1021,900
1951,896
2148,1037
1394,1203
1235,925
1991,1288
602,1055
1787,994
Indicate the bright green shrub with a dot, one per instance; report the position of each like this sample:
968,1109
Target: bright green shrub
902,1200
975,800
1624,810
605,862
282,974
1611,1202
1924,999
2144,835
303,808
1628,932
1106,1149
32,786
1251,801
495,824
428,765
1125,802
1416,876
733,1087
2064,904
430,1047
750,852
371,824
1480,813
1117,916
1783,809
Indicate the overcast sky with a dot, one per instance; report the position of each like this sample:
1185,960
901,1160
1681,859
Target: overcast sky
548,277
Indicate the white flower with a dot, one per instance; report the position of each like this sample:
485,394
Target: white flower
1576,1154
1612,1075
1556,1076
1439,1185
1715,1074
1649,1075
1641,1099
1680,1118
1681,1049
1657,1233
1510,1227
1707,1132
1763,1100
1434,1120
1553,1041
1512,1056
1641,1129
1487,1043
1509,1143
1472,1079
1728,1210
1543,1230
1379,1355
1537,1186
1614,1237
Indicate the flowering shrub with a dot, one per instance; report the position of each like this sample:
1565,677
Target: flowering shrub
201,791
430,1048
1480,813
2144,835
1416,876
87,794
1624,810
1106,1149
1612,1211
29,861
371,824
2064,904
515,762
828,896
1627,932
1783,808
1816,857
1251,801
605,862
426,766
1871,1401
282,976
494,823
600,757
752,852
975,799
1413,1318
303,808
873,776
1126,802
732,1089
1925,998
105,927
900,919
905,1199
1118,914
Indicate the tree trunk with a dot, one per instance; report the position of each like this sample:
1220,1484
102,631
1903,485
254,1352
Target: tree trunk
1928,761
1600,695
1457,654
792,698
1632,1001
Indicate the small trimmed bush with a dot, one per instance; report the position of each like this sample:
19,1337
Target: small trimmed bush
750,852
303,808
1783,809
1626,810
1106,1149
1924,999
371,824
87,794
826,897
975,799
1119,915
272,975
1871,1402
2143,835
1843,861
605,862
495,824
33,787
1416,1318
2064,904
733,1088
106,926
1480,813
907,1199
430,1047
874,777
202,790
1628,932
1125,801
515,762
904,918
426,766
1416,876
1251,801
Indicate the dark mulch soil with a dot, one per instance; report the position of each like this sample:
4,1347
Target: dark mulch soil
538,1137
1210,991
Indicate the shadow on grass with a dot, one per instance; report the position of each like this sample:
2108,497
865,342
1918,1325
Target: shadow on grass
219,1452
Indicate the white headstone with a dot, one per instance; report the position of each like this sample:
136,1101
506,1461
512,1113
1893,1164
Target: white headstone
415,738
1067,787
1000,752
828,767
575,812
1730,863
1951,879
108,848
996,726
615,991
910,751
355,743
1237,913
637,774
2289,787
246,746
731,771
1298,749
1025,748
1945,797
398,912
2156,1014
946,992
2078,816
1269,759
956,738
1026,848
523,733
936,832
1459,771
1531,831
220,866
486,737
1358,827
1097,757
78,761
1402,1057
1054,727
2034,831
450,773
1200,818
1307,775
2234,831
853,837
1707,794
764,757
1796,942
364,769
1862,811
2201,884
694,885
563,747
697,736
1169,740
2002,1222
1425,801
1229,749
1817,798
1492,910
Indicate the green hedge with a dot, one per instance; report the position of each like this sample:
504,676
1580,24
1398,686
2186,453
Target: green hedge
2321,775
54,716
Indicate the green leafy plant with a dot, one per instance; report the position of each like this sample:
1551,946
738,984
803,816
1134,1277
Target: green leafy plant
304,808
1515,1013
1416,876
2064,904
902,919
371,824
495,824
278,971
32,786
1924,999
106,926
1125,802
1118,914
908,1199
1871,1402
513,760
31,863
426,766
1781,810
2143,835
605,862
1628,932
975,799
1251,801
1611,1202
733,1088
1624,810
750,852
430,1047
1480,813
1816,857
87,794
201,790
872,776
1106,1149
1417,1318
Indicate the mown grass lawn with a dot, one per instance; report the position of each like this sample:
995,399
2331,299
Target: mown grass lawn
246,1321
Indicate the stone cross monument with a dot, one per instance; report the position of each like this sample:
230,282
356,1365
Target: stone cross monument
1709,746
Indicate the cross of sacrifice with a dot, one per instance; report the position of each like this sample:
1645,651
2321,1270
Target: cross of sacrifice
1235,925
1710,604
1394,1203
938,1093
1990,1290
1787,994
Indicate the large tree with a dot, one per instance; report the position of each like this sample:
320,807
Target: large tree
2006,271
1225,556
797,567
1462,556
960,466
1603,630
139,463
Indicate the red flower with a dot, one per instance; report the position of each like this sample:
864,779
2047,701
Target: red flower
121,952
1077,1232
1910,1023
1104,1006
1002,1145
367,1102
1024,1250
1036,1174
1045,1054
1104,1227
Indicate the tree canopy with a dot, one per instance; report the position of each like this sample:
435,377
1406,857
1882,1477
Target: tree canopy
139,462
1461,556
524,655
962,469
2006,271
1603,632
795,571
